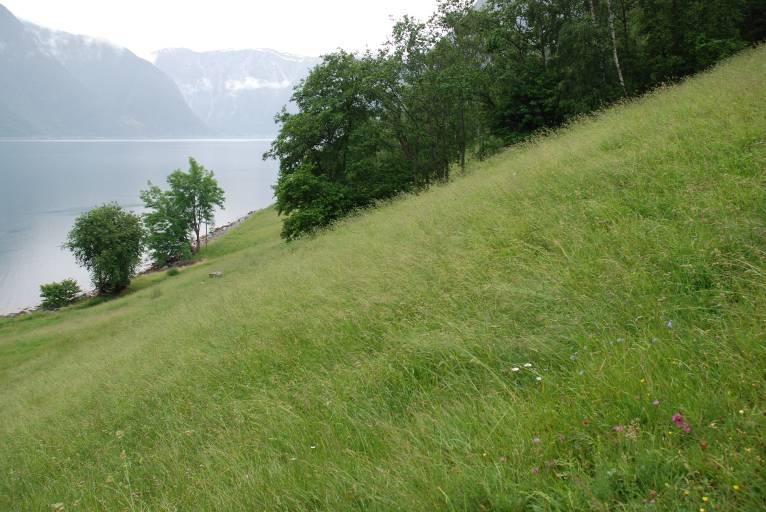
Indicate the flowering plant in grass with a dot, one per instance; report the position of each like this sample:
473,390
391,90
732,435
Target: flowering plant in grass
681,423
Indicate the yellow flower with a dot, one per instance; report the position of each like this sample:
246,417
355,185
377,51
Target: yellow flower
735,487
686,493
705,499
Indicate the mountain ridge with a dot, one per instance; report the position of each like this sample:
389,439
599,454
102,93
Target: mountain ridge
235,91
57,84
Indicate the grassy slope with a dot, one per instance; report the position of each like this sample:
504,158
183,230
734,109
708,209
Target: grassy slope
371,367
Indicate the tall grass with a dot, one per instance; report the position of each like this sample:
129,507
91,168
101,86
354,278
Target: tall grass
517,340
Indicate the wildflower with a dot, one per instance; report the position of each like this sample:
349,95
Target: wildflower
527,365
735,487
656,403
535,470
539,379
652,494
515,369
681,423
618,428
503,459
313,447
703,445
686,493
585,422
536,440
119,434
742,411
705,499
669,324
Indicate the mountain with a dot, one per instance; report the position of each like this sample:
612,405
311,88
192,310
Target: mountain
236,92
56,84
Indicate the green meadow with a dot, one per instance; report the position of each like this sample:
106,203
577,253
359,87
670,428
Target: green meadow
518,339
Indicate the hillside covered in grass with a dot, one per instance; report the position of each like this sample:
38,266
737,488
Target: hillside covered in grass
575,324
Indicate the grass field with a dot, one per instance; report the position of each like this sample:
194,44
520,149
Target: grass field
519,339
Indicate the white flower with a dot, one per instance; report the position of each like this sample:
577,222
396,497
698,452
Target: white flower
539,379
515,369
527,365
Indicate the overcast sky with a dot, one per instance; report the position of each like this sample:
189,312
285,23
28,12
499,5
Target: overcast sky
303,27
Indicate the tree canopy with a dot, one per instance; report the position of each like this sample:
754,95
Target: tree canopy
108,242
176,214
472,79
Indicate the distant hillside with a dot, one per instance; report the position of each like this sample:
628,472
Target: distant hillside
236,92
55,84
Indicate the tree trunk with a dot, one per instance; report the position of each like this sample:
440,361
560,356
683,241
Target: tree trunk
614,47
592,12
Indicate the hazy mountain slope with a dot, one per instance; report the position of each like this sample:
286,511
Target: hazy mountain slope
517,340
59,84
236,92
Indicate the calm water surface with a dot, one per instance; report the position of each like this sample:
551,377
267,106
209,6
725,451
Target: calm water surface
44,185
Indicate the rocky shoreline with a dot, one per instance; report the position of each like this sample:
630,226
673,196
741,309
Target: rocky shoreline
204,239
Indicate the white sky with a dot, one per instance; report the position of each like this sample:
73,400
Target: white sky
302,27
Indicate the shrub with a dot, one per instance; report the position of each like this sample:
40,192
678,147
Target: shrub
173,272
57,295
108,241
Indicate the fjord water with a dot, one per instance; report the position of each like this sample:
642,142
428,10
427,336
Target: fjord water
44,185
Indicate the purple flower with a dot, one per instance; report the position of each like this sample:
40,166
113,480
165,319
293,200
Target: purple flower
681,423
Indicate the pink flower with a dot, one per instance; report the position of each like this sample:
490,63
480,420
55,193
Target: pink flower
681,423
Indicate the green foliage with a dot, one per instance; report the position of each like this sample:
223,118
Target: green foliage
179,212
108,241
172,272
167,232
59,294
372,126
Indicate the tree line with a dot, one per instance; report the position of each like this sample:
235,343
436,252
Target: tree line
471,80
110,241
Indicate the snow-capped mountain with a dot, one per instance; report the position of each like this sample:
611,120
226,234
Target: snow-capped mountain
56,84
235,92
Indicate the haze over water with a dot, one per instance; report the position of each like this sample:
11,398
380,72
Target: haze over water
46,184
